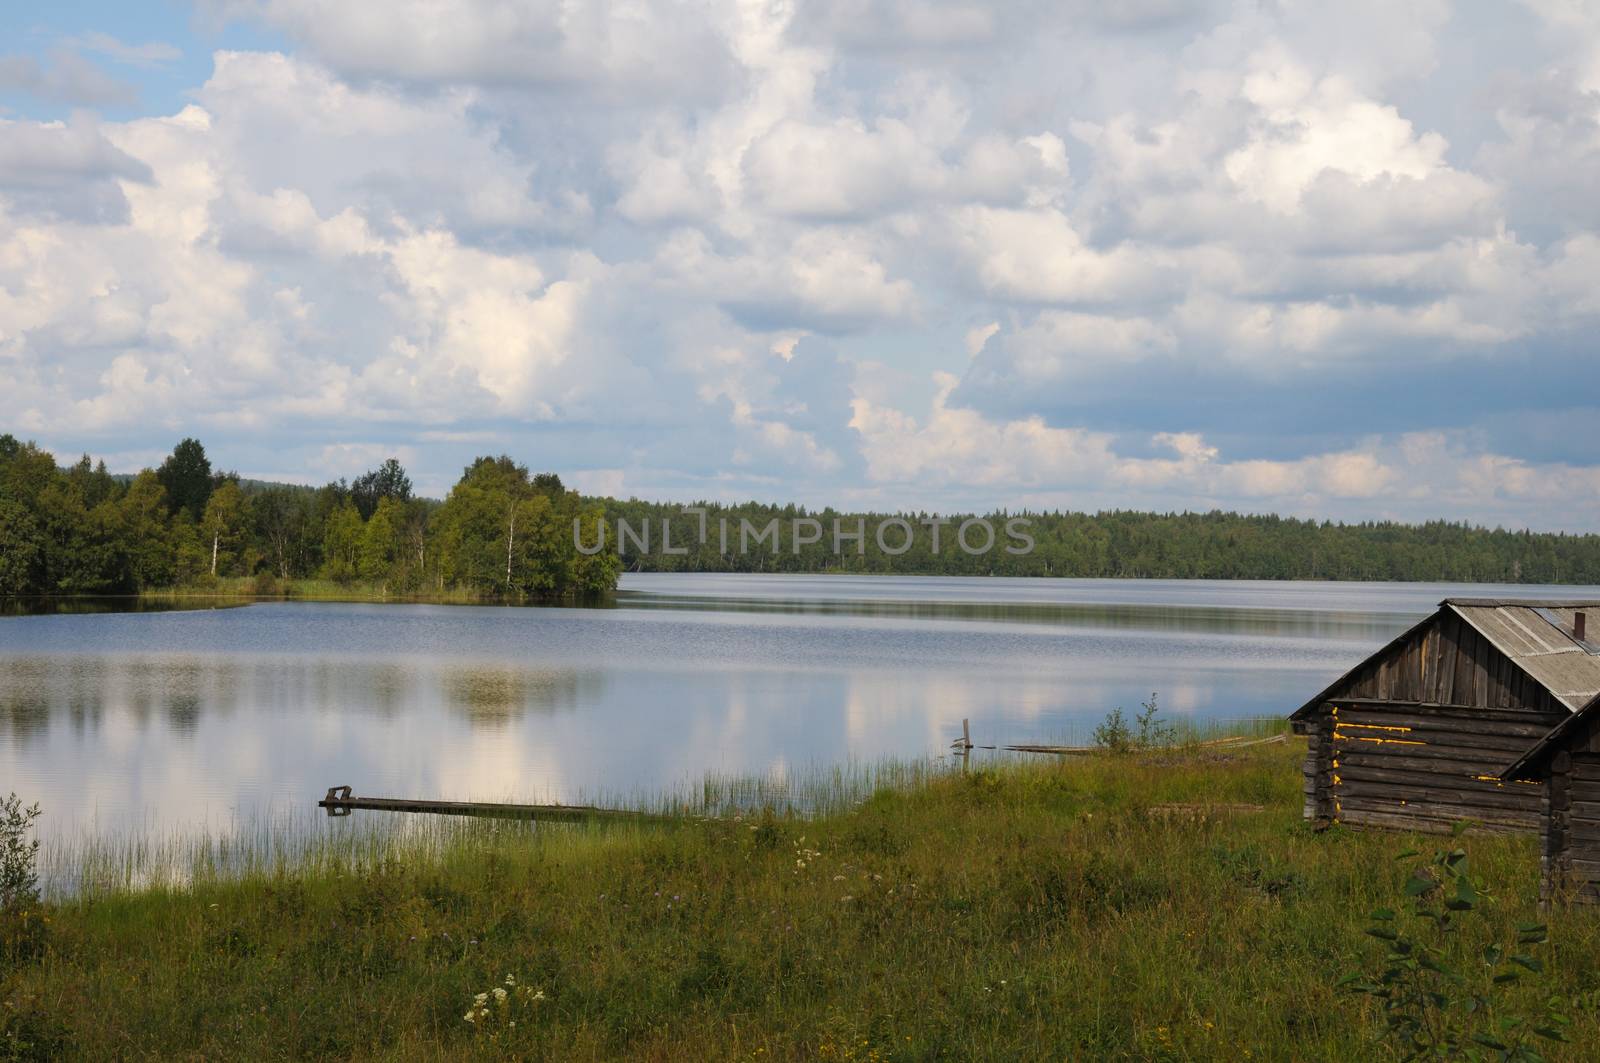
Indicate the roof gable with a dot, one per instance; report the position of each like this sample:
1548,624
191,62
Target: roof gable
1535,637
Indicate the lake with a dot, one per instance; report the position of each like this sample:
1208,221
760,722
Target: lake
174,721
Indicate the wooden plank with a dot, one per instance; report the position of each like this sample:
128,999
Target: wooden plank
1423,821
1481,761
1425,666
1529,726
1436,683
1452,654
1584,834
1361,818
1464,663
1513,714
1508,748
1480,670
1446,812
1587,810
1446,772
1382,757
339,805
1414,790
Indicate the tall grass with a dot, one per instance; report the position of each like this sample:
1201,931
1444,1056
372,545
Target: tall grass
1169,905
308,842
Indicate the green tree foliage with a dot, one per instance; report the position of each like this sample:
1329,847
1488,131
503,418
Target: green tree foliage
1123,544
388,480
186,474
147,531
382,553
221,525
21,550
341,549
504,532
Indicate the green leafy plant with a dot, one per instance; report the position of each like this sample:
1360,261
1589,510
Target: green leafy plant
1149,731
22,922
1113,733
19,878
1153,731
1446,984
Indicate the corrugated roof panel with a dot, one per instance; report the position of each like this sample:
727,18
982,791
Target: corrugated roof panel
1514,632
1571,677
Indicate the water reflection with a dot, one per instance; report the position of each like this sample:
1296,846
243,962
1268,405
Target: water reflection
493,696
51,606
176,720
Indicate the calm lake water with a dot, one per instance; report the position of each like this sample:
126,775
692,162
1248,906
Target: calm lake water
181,720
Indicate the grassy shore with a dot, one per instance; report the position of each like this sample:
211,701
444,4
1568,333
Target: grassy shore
1055,909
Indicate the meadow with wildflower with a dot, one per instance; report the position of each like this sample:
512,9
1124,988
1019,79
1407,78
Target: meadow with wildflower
1016,910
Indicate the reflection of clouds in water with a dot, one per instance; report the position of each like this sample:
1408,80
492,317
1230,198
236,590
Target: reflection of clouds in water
482,766
262,710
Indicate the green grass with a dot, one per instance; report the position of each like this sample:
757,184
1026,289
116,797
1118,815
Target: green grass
1028,909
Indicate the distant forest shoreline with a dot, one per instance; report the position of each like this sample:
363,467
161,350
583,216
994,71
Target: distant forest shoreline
503,534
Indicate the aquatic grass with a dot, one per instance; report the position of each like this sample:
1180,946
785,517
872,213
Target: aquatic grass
307,841
1170,905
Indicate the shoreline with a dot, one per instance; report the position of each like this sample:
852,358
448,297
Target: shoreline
1160,905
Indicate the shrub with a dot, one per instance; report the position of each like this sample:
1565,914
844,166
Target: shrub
1444,987
22,924
19,878
1149,731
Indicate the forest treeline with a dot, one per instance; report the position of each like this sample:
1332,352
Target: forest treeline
504,533
501,532
1123,544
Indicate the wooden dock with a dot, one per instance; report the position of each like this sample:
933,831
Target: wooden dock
340,802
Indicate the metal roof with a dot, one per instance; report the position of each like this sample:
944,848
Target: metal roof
1536,635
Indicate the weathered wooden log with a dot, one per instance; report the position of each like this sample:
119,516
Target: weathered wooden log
339,802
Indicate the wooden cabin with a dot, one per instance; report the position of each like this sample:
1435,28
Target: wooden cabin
1566,763
1417,736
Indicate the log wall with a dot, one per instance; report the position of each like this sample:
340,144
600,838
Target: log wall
1571,860
1418,767
1416,737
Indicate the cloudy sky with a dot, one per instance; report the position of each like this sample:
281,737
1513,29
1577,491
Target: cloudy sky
1327,259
